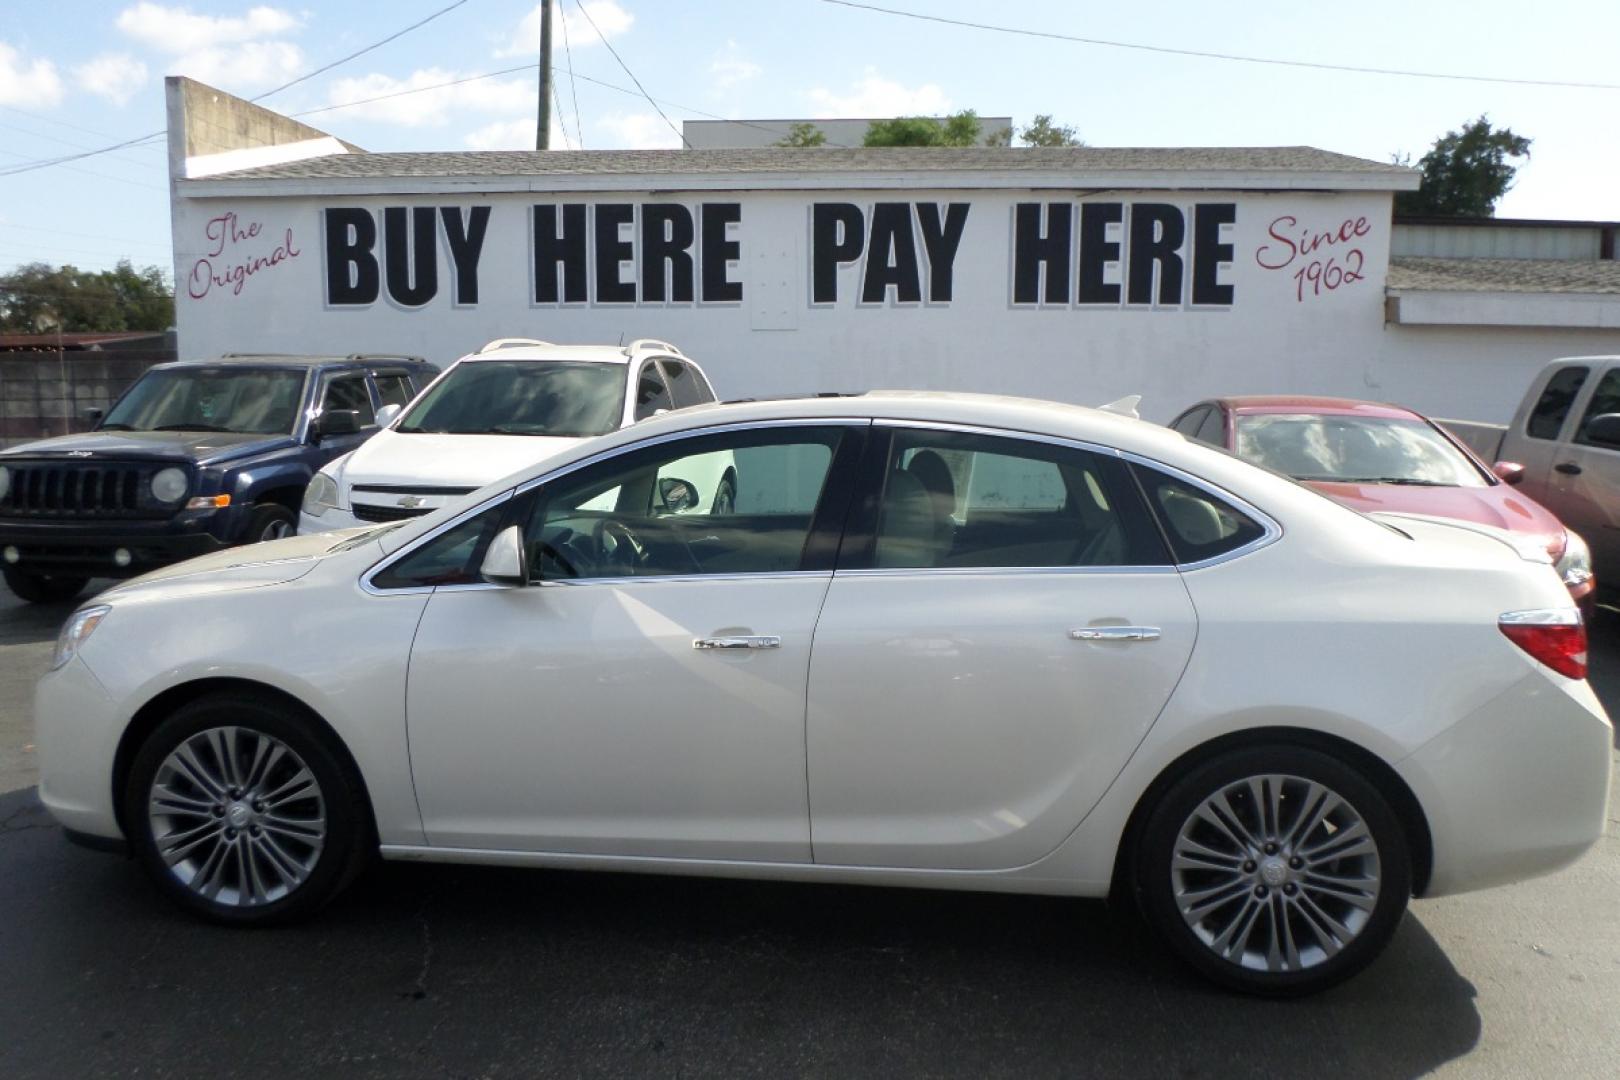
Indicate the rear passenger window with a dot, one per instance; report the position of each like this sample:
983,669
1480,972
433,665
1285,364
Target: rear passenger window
1547,418
1605,399
1198,525
958,501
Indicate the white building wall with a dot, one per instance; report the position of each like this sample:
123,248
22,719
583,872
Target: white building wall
251,276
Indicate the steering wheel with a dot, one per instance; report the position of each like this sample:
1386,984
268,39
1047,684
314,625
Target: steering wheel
628,551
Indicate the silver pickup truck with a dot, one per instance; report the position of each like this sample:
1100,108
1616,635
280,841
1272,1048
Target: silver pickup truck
1565,435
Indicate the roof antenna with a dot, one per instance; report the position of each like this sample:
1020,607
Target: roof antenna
1125,406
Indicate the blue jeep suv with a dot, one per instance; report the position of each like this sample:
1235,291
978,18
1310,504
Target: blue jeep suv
194,457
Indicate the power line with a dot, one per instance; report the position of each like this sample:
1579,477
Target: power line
45,163
603,38
80,146
573,87
1053,36
562,126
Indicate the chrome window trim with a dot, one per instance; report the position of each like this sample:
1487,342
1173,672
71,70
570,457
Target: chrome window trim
1003,571
1271,529
665,579
572,467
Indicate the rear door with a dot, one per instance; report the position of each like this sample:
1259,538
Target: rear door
1003,627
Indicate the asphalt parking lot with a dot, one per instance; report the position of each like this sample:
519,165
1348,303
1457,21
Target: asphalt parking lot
462,972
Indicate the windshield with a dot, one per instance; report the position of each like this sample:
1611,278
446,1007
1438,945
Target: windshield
521,397
1349,449
257,401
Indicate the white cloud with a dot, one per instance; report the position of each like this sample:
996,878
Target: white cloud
611,19
245,51
25,83
431,108
114,76
640,131
730,68
514,135
874,96
176,30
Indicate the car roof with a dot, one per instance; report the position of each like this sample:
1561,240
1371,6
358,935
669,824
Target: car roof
575,354
290,360
1326,406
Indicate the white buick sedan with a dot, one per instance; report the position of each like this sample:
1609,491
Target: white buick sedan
937,640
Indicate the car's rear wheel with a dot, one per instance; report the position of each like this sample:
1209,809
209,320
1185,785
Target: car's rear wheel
43,588
1277,870
244,812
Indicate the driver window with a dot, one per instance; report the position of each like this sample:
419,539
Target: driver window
651,393
349,392
738,503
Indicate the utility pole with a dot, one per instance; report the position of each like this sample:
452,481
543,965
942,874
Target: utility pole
542,133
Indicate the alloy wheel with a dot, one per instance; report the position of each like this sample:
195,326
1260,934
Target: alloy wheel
237,816
1275,873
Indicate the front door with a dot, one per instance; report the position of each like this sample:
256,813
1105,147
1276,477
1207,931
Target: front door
644,695
1000,649
1583,485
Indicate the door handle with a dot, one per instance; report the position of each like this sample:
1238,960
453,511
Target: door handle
751,641
1568,468
1116,633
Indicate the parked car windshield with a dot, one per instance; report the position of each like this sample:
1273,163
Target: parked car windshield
1351,449
245,400
521,397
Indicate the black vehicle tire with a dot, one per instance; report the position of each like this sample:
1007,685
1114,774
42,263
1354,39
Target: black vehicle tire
270,521
43,588
1232,873
725,496
295,832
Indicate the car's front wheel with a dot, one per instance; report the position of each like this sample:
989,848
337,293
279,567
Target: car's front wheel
42,588
1277,870
244,811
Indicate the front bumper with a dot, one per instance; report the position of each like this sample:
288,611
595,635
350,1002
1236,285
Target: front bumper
1517,789
331,521
77,728
86,548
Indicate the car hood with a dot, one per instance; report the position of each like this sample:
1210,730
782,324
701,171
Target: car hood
424,459
1499,507
199,447
245,567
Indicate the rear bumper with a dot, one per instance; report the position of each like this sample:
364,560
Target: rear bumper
1517,789
87,548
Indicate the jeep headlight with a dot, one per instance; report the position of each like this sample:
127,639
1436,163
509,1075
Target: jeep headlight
76,632
1575,565
169,485
321,495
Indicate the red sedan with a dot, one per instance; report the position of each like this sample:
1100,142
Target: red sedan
1373,457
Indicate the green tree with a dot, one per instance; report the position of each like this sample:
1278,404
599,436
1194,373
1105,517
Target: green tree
1042,132
1465,172
39,298
803,135
958,129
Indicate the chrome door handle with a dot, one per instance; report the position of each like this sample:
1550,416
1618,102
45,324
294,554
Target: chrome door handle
754,641
1116,633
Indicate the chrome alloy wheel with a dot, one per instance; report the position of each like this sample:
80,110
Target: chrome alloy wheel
276,530
1275,873
237,816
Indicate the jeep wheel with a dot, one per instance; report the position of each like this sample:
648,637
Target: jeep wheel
270,521
43,589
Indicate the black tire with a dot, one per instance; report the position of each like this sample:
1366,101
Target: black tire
725,496
344,851
1318,966
43,588
270,521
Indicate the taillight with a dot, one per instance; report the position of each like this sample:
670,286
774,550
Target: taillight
1554,636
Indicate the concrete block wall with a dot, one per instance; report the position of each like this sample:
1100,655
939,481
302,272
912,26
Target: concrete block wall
43,394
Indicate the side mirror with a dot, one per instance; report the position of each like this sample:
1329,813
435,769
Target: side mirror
337,422
677,495
93,415
1604,430
505,562
386,414
1509,472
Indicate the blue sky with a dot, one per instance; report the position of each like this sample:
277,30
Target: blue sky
84,73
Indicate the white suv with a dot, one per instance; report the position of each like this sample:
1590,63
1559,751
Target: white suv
514,402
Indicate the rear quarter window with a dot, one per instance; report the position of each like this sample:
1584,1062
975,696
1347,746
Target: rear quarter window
1198,525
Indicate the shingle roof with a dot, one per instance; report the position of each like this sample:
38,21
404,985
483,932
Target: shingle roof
1086,159
1425,274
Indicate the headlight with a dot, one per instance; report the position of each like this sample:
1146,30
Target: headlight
77,631
169,485
1575,567
5,481
321,495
